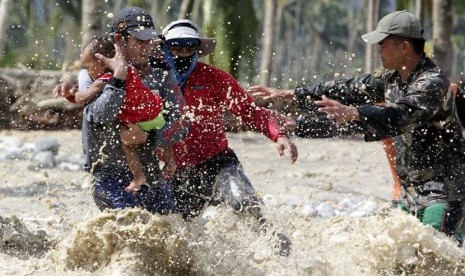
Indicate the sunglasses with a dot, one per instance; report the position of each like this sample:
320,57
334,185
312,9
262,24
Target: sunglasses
183,51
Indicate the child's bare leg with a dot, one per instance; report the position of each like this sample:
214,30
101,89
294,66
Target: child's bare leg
132,135
170,165
135,166
132,158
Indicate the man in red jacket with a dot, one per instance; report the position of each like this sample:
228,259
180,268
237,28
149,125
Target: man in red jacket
208,170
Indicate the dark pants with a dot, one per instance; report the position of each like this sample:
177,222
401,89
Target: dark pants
219,179
109,193
452,223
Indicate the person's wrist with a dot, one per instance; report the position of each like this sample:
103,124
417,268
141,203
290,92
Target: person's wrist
121,73
354,115
117,82
282,134
288,94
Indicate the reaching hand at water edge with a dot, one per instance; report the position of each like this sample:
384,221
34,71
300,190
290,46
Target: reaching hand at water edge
335,110
284,144
268,93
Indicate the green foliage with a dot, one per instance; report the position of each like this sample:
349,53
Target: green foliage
312,40
459,6
140,3
316,34
233,24
36,31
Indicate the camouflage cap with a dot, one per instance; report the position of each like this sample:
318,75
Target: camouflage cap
401,23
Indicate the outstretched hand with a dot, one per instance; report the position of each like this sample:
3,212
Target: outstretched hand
118,63
268,93
335,110
284,144
65,89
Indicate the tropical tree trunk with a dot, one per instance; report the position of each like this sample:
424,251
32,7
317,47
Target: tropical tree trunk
267,41
90,24
280,49
185,11
118,5
352,30
442,32
418,8
5,11
233,25
372,21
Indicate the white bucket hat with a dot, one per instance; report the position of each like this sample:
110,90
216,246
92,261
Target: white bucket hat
185,28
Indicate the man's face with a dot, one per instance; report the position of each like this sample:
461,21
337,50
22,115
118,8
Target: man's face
391,53
137,51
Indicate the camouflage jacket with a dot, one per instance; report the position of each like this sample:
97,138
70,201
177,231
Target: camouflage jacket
421,117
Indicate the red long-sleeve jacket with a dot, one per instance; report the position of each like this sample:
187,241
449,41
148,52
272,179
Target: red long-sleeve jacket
208,92
140,103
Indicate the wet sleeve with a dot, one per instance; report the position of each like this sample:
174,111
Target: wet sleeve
105,108
84,80
423,100
355,91
243,106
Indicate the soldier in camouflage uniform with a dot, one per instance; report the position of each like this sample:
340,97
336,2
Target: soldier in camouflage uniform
419,114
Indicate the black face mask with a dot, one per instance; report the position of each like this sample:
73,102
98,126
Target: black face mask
182,64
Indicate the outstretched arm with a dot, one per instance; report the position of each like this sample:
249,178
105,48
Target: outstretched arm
263,120
85,96
269,93
335,110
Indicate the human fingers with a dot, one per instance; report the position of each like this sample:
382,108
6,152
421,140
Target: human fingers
290,147
56,91
294,153
64,89
72,90
102,58
259,91
325,101
328,106
256,94
281,148
255,88
290,124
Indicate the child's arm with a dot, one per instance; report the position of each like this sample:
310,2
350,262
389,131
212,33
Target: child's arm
85,96
170,165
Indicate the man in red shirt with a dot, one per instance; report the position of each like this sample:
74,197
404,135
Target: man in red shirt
208,170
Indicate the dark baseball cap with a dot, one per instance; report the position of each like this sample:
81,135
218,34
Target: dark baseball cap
134,21
401,23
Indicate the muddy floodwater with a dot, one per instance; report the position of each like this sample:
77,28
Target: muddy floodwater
333,204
